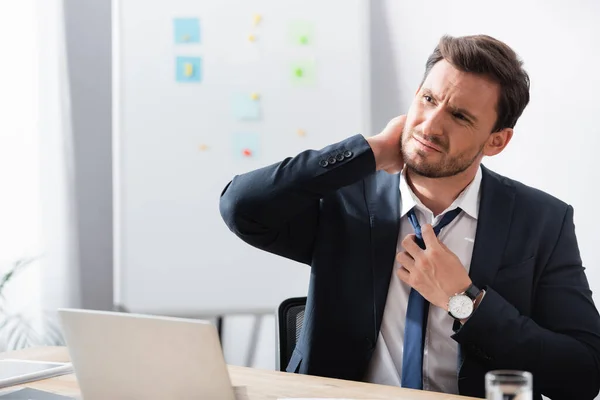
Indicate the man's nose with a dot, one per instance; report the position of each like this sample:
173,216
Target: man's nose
433,123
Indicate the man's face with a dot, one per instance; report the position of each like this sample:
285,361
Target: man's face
449,122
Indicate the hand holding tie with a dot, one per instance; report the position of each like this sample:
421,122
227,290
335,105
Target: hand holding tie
435,272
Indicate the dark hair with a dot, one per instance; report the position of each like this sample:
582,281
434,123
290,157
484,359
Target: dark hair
482,54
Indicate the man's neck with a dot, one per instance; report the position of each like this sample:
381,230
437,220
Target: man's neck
437,194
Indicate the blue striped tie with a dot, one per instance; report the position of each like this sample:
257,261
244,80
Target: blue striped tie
416,315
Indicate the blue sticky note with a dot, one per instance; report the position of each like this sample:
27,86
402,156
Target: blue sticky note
188,69
246,145
245,107
187,30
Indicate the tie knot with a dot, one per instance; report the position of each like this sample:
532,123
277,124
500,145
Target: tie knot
446,219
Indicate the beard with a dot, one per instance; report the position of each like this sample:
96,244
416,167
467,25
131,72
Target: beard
448,165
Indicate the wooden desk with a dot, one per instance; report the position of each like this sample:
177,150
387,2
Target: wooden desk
251,384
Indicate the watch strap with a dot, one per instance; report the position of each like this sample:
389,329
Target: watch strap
472,291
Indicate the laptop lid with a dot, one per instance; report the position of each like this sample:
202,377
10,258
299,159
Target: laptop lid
132,356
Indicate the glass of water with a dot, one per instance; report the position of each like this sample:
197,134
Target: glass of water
508,385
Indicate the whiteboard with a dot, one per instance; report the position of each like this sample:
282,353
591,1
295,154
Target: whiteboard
204,90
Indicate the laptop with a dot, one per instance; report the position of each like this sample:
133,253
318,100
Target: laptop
132,356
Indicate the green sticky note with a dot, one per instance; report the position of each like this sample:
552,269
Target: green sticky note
302,33
303,73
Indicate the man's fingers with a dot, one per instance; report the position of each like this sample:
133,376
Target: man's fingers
410,246
443,246
405,260
429,236
403,274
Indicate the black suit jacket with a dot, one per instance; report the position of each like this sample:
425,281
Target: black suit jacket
329,209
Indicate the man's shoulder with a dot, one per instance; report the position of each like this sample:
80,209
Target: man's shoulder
529,195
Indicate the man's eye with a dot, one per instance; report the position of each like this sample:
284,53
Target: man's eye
428,98
460,116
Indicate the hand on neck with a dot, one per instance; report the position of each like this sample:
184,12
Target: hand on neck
437,194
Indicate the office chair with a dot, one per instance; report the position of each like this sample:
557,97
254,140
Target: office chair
290,317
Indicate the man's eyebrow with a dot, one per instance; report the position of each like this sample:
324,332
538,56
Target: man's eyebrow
454,109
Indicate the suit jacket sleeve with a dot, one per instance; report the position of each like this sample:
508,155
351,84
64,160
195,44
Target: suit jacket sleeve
276,208
560,343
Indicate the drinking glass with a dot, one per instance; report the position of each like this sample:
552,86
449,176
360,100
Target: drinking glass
508,385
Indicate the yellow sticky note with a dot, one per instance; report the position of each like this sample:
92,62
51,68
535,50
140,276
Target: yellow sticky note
251,38
188,69
257,19
254,96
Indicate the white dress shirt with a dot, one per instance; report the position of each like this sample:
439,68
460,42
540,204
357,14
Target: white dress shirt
440,358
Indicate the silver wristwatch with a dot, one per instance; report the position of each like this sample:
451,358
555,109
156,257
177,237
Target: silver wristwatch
462,305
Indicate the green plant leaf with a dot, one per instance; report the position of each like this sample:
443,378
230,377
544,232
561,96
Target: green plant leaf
17,267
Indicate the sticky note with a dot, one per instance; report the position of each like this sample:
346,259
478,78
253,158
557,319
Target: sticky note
188,69
203,147
245,106
301,33
254,96
301,132
246,145
186,30
251,38
257,19
303,73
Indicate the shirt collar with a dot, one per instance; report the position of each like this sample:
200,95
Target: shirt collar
467,200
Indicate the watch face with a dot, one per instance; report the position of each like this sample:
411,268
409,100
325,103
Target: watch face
460,306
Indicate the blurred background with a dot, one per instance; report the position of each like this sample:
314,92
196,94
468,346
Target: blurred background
121,123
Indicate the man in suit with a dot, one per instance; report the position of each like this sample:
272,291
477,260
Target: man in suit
428,269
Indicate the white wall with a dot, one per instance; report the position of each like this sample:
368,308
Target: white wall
19,166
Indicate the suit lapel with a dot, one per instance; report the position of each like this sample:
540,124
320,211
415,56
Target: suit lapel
383,203
493,225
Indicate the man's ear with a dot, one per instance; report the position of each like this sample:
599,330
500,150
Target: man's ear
497,142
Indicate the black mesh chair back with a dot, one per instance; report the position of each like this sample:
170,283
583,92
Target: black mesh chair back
290,317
